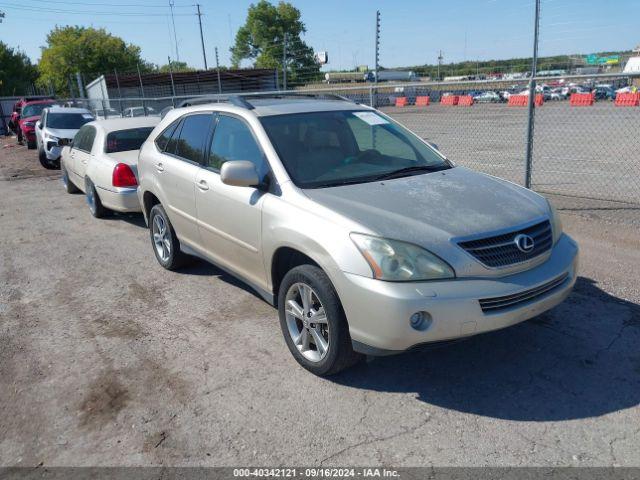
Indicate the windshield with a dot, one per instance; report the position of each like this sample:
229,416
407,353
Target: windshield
322,149
67,121
124,140
35,109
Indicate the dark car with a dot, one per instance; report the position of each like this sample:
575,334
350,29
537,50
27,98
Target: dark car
29,116
604,93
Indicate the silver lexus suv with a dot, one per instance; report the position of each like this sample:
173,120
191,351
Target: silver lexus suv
366,238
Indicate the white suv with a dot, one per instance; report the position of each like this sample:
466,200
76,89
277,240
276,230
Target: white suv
367,239
55,129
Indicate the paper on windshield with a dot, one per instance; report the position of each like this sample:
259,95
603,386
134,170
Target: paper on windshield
88,116
371,118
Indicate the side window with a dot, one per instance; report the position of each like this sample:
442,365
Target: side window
78,138
163,139
193,136
172,144
87,140
233,140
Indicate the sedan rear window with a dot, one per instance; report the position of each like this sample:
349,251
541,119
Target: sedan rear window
125,140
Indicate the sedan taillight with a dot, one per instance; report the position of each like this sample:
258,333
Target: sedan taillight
123,176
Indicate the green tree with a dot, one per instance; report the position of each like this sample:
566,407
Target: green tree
176,67
17,72
261,39
87,50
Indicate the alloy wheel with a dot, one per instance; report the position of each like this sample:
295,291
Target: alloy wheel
307,322
161,238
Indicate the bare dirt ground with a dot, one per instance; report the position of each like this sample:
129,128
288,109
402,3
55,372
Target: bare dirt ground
107,359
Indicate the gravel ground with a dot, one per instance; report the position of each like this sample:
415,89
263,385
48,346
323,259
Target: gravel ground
107,359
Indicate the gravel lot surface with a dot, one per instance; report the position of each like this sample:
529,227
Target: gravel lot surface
107,359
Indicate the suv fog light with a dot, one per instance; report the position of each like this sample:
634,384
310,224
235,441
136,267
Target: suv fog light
420,321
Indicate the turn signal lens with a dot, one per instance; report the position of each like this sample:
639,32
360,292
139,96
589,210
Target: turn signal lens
123,176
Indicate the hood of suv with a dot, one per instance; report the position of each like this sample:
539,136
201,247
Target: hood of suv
433,207
62,133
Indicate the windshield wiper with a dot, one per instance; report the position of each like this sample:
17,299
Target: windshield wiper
403,172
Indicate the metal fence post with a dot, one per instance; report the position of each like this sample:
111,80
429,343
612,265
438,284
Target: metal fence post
284,63
144,107
173,86
115,72
532,100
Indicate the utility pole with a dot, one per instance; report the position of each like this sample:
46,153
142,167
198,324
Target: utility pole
218,70
175,35
284,62
440,58
532,95
204,53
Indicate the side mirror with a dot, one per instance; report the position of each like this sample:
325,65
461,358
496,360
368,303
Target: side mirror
40,126
433,145
239,173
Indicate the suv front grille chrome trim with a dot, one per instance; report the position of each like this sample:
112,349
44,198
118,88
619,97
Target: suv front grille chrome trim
503,250
496,304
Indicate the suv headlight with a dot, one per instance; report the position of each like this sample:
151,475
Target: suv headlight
556,223
51,138
398,261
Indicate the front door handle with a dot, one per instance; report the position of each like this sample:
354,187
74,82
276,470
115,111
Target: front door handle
203,185
160,167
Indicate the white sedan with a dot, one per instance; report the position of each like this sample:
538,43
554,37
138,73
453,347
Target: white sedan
102,162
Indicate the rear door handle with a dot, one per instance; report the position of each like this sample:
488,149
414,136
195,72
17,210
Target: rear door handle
160,167
203,185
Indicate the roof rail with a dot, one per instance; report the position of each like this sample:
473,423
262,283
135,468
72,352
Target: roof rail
243,100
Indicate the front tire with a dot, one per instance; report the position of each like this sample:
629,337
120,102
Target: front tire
164,240
313,322
45,162
93,200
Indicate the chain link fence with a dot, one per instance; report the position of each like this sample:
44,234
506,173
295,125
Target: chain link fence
586,153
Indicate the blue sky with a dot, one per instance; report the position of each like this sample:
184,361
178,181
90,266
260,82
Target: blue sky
412,30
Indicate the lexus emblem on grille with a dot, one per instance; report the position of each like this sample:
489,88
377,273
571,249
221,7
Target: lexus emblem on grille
524,243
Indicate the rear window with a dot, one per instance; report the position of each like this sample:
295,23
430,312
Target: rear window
124,140
68,121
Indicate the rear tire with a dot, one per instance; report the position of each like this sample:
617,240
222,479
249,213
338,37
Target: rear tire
164,240
93,200
31,145
69,186
330,328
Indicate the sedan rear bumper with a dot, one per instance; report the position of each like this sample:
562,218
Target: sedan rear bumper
378,312
120,199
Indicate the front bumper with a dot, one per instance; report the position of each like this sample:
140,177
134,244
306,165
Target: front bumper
120,199
52,151
378,312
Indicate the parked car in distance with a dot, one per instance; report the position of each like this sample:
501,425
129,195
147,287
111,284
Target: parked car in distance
105,113
102,163
487,97
604,92
138,112
17,109
557,93
55,129
29,116
366,238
